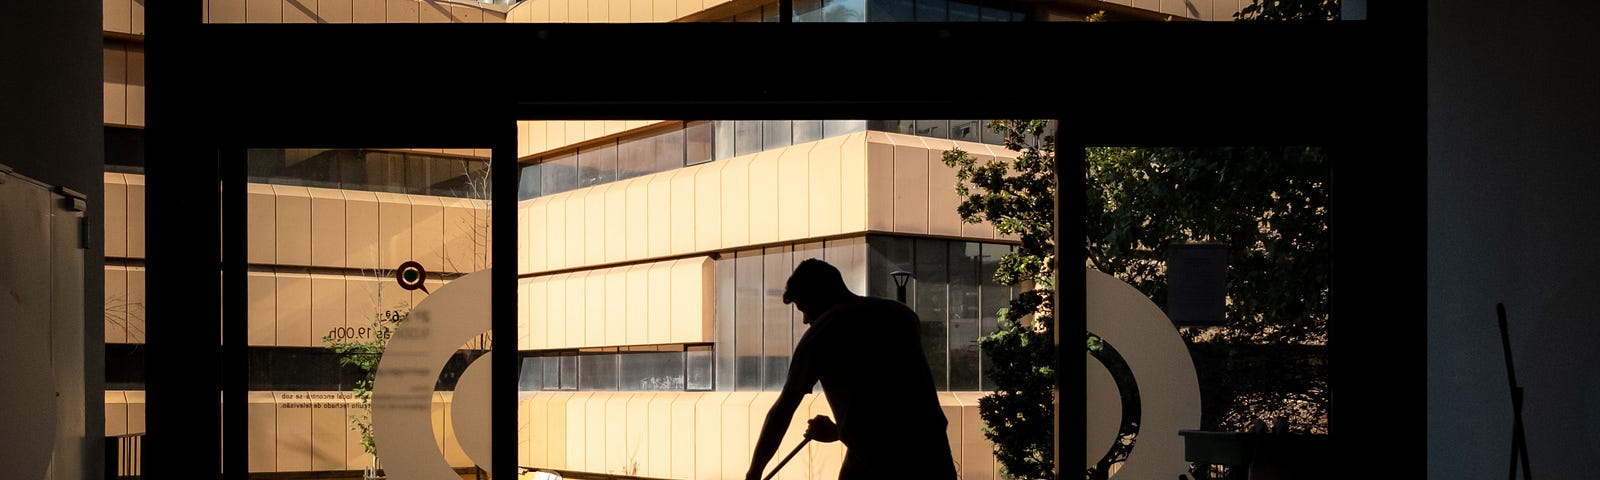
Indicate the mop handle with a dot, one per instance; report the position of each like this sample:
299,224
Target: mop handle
786,459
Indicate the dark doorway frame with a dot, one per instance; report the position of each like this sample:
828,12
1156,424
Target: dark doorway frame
214,90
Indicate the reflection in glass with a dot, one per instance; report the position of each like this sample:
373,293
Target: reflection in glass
652,371
598,372
963,316
777,336
748,308
930,299
699,364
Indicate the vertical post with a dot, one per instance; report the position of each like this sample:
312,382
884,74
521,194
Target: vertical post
1069,308
503,285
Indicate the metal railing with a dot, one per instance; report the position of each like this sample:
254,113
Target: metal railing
125,456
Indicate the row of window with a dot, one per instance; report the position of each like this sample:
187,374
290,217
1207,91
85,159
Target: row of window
703,141
647,368
413,173
277,368
891,11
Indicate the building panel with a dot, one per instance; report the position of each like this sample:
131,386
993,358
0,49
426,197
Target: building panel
327,307
595,307
701,425
361,232
116,305
764,197
292,227
794,192
263,11
116,215
394,230
263,427
942,199
114,59
225,11
556,231
299,11
683,209
327,228
576,243
707,203
910,185
427,232
329,431
659,215
293,324
594,224
263,310
734,201
136,111
880,182
638,217
659,447
615,298
334,11
261,207
825,190
615,231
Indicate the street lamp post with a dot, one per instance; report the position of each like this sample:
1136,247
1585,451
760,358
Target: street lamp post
900,279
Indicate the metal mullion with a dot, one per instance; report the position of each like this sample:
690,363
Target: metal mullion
235,328
503,296
1070,363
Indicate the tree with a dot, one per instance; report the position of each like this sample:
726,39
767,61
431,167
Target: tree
1018,197
1268,204
362,348
1297,10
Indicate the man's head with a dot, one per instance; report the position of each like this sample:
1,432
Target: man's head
814,287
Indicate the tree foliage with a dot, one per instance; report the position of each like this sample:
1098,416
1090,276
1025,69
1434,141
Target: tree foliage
1298,10
364,354
1018,197
1268,205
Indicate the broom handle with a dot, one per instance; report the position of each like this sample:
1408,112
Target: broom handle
786,459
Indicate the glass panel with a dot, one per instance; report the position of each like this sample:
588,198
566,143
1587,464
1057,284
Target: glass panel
670,150
532,377
778,333
748,307
776,134
699,365
891,10
697,137
559,174
636,156
807,130
993,296
966,130
930,299
727,335
725,140
964,316
747,137
808,11
345,246
652,371
528,182
844,11
933,10
597,165
598,371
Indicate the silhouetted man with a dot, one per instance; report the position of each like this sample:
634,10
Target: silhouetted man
867,353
